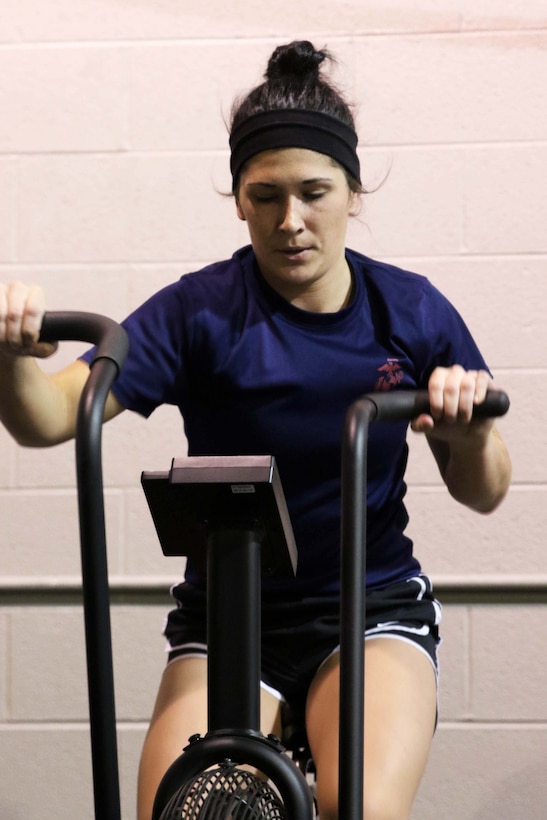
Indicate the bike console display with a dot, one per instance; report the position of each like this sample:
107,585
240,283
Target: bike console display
201,495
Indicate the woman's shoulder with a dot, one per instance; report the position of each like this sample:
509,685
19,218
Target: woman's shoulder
229,268
412,309
396,288
214,281
385,274
217,283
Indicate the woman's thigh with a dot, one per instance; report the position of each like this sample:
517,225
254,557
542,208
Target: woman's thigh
180,711
400,715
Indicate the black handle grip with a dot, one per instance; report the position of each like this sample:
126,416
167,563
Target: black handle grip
405,405
110,337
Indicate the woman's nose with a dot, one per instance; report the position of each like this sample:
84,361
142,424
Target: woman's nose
291,217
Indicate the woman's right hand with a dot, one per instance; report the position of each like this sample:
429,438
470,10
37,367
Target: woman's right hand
22,309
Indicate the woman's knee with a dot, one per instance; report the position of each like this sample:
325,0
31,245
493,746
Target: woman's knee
377,804
180,711
384,806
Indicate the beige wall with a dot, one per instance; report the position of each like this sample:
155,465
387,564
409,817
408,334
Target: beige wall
112,150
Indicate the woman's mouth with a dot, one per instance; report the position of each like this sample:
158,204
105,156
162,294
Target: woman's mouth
294,253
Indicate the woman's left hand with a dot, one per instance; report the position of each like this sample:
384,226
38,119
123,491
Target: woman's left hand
470,454
453,393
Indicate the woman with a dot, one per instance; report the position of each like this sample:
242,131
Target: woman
263,353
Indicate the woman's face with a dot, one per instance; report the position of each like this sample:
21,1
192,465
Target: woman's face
296,204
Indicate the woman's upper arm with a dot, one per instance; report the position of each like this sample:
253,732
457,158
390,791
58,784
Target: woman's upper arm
71,381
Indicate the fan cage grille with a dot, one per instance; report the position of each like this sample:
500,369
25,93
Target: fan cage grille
225,792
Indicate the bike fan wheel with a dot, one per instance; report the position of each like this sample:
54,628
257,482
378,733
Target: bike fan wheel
225,793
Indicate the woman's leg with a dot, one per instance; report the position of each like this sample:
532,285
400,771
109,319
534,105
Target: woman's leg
400,714
181,711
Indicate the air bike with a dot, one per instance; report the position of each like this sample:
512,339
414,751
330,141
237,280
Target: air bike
228,513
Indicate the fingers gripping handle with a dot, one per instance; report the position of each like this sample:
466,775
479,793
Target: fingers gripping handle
405,405
108,335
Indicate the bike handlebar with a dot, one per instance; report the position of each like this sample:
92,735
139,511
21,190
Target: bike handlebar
398,405
108,335
111,349
404,405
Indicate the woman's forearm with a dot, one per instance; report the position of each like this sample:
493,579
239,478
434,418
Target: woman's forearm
478,473
38,409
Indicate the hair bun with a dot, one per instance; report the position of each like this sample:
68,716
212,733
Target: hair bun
297,59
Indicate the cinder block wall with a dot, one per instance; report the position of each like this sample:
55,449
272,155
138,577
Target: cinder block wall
112,153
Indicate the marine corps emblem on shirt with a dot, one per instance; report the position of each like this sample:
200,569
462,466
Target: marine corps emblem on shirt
391,374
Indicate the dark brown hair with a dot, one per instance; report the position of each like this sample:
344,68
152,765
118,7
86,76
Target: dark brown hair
293,80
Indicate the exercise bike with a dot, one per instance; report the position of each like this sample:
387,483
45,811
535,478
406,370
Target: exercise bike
232,544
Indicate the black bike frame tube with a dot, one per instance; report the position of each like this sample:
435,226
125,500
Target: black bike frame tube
112,346
100,673
352,608
233,629
396,406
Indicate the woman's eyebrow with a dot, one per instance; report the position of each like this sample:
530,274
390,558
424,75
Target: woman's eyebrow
312,181
315,180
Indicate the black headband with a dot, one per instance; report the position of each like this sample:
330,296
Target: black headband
294,128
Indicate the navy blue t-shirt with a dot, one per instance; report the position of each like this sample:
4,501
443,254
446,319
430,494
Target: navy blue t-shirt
252,374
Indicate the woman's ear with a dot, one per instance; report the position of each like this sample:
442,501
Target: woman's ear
355,204
239,211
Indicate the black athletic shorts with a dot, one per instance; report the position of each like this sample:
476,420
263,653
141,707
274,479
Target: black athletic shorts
299,635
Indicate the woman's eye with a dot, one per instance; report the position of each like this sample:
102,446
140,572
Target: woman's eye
264,198
306,196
